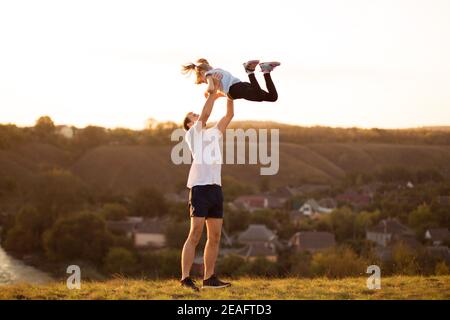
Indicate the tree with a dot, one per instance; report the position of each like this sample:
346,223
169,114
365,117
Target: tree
25,236
120,260
235,221
58,192
114,211
90,137
149,202
176,234
234,188
44,127
342,222
82,236
421,219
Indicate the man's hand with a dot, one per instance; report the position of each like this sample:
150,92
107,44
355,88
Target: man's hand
219,94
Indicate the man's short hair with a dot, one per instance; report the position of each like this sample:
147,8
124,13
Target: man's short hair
186,122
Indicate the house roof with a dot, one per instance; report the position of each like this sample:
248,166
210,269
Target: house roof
256,233
313,240
255,201
439,234
391,226
313,203
328,203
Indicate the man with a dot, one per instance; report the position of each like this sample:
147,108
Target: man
205,197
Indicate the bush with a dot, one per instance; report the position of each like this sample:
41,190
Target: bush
338,263
404,260
260,267
120,260
82,236
231,265
441,269
162,264
176,234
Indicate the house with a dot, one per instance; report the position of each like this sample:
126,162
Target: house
150,233
388,231
328,203
252,202
437,236
312,241
284,192
312,208
123,227
259,241
65,131
266,250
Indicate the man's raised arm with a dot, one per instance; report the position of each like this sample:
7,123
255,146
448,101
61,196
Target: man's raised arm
207,108
225,121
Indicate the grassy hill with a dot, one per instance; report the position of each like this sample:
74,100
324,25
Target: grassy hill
125,168
400,287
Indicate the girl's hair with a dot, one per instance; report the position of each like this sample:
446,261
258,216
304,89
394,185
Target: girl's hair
202,65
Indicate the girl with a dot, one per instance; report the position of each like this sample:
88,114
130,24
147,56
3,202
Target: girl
231,86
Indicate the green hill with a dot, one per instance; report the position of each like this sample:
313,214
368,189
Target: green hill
125,168
400,287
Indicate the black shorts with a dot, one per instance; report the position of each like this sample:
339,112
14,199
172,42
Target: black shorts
206,201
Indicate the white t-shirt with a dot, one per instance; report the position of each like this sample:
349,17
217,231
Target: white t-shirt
207,156
227,79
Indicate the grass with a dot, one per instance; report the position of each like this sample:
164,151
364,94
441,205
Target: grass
399,287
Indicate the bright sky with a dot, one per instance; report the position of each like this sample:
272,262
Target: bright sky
364,63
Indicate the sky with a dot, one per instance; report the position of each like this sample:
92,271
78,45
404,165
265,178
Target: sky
345,63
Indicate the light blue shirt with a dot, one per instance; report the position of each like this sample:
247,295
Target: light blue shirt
227,79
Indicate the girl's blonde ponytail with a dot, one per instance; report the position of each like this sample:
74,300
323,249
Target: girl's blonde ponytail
201,66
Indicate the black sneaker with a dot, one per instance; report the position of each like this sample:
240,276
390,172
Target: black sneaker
189,283
215,283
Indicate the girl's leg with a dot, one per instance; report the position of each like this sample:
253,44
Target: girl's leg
272,95
245,90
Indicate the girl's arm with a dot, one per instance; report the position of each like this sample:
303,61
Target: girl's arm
211,87
212,80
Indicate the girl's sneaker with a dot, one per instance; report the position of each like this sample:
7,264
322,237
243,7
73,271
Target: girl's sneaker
250,66
267,67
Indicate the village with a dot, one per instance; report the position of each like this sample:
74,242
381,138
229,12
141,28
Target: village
258,240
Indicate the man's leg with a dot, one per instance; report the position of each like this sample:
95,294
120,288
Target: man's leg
214,231
188,253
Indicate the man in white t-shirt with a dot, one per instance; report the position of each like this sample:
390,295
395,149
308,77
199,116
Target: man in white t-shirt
205,196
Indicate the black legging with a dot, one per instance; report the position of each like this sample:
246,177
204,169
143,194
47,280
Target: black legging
252,91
